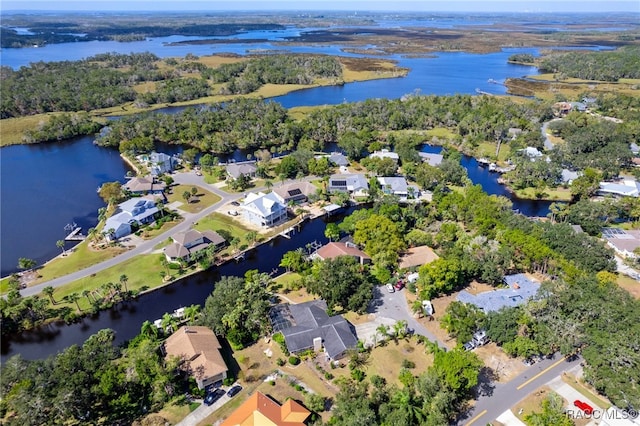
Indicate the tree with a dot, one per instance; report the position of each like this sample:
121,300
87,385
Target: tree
315,402
186,195
293,260
553,413
251,237
461,320
458,369
111,192
60,245
124,280
48,291
149,329
332,232
25,263
378,234
74,298
191,312
194,191
169,323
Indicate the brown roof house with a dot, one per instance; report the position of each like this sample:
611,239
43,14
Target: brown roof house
199,350
296,192
260,410
187,244
333,250
417,256
144,185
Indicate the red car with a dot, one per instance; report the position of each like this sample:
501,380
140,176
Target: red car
588,410
399,285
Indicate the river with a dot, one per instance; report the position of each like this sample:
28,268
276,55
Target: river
46,186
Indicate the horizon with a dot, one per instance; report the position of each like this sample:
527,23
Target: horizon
464,6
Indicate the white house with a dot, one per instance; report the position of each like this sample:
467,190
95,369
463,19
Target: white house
133,212
432,159
531,153
385,153
355,184
158,162
264,209
398,186
625,188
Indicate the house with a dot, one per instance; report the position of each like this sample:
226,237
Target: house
339,159
144,185
248,168
568,176
335,249
624,242
624,188
158,162
355,184
186,244
521,289
199,349
635,149
398,186
264,209
417,256
296,192
531,153
307,326
514,132
129,216
432,159
578,106
260,410
561,109
385,153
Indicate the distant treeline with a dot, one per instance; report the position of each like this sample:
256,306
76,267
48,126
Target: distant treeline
604,66
50,33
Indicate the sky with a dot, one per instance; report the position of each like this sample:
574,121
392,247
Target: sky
351,5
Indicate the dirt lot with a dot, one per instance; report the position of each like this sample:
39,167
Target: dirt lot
503,367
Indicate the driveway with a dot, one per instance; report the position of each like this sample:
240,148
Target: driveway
202,412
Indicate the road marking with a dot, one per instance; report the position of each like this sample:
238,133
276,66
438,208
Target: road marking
555,364
477,417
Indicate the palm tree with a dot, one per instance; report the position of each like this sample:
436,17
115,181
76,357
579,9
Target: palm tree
74,298
163,275
268,184
187,196
148,329
117,287
160,207
124,280
48,291
383,331
416,308
191,312
400,329
92,233
60,245
252,236
25,263
169,322
87,293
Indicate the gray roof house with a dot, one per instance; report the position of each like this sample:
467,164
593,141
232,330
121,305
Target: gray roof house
307,326
296,192
432,159
520,290
568,176
235,170
624,242
352,183
385,153
136,212
264,209
158,162
625,188
397,185
186,244
338,159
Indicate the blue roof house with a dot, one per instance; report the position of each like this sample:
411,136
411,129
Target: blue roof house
520,290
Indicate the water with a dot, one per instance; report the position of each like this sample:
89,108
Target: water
46,186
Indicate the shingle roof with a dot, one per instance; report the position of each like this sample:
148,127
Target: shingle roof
263,204
398,184
309,321
260,410
417,256
294,189
200,346
335,249
432,159
338,159
237,169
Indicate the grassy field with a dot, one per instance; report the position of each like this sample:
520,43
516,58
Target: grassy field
12,129
550,194
629,284
217,221
201,201
488,150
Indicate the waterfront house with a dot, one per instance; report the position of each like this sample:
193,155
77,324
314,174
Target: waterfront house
385,153
199,350
260,410
431,159
397,186
530,152
623,188
335,249
264,210
355,184
158,162
306,326
568,176
520,289
129,216
186,245
247,168
296,192
339,159
145,185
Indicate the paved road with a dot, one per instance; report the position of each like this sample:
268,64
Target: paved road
188,178
548,145
496,398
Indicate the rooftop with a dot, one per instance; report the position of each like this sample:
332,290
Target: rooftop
335,249
198,345
417,256
521,289
261,410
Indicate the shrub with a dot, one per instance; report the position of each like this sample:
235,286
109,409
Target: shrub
229,381
328,376
279,339
272,382
357,375
408,364
294,360
280,362
315,402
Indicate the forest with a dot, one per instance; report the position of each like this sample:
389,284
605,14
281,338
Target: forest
598,66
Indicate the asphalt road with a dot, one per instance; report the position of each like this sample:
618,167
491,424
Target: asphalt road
189,178
496,398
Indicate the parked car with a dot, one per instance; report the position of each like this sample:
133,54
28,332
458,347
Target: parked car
390,288
588,410
399,285
213,396
234,390
235,203
469,346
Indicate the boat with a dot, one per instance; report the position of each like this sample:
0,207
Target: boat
483,162
493,167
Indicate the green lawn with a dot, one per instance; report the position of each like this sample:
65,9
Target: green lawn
551,194
488,150
217,221
201,201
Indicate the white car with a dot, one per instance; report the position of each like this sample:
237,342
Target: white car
390,288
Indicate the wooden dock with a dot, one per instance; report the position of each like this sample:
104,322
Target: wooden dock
75,235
